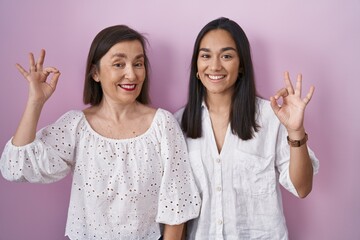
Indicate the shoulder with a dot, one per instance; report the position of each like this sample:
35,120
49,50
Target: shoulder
164,114
264,113
263,107
147,111
71,116
262,103
165,118
69,121
178,114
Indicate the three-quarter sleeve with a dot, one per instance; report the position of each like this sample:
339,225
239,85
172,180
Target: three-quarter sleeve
283,161
48,158
179,200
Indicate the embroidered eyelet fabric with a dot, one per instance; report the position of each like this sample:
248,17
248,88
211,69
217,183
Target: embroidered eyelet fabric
121,188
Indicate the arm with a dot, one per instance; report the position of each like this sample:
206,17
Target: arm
179,199
291,115
39,93
173,232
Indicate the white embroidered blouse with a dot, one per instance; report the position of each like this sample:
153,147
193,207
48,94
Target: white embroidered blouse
239,186
121,189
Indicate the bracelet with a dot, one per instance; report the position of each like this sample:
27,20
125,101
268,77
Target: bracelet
297,143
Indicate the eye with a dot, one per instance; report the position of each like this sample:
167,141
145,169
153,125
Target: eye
139,64
204,55
227,56
119,65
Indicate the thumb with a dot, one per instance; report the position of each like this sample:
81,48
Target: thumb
54,80
274,105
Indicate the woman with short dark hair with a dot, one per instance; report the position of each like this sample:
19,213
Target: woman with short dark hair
129,161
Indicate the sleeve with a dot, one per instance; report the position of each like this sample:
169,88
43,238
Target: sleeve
179,199
47,159
283,161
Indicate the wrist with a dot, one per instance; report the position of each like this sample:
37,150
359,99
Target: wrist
35,104
296,134
298,141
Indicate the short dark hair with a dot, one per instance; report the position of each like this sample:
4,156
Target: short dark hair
243,109
101,44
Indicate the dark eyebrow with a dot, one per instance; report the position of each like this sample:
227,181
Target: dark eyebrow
204,50
221,50
227,49
119,55
140,56
122,55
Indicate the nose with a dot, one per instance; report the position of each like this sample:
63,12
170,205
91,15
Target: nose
215,64
130,73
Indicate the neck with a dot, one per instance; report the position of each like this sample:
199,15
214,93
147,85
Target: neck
219,103
116,112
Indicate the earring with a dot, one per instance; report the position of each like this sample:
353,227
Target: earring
197,75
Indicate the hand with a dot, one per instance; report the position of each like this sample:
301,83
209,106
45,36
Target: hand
39,90
291,112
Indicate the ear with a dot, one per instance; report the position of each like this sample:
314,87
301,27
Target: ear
95,73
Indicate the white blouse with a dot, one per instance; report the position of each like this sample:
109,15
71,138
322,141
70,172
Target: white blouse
239,187
121,189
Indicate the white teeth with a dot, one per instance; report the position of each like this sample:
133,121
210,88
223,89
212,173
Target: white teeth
127,86
217,77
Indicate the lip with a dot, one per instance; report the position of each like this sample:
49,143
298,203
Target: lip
127,87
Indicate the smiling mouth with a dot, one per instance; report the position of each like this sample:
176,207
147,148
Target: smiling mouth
128,87
216,77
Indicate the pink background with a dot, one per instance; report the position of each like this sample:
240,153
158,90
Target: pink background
319,38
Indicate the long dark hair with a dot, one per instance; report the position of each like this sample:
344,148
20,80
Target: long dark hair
243,108
101,44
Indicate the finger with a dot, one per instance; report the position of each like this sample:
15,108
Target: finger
21,70
298,85
281,93
40,61
308,96
49,70
274,105
54,80
32,62
288,83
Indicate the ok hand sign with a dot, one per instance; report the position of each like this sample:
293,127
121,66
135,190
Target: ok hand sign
39,89
291,112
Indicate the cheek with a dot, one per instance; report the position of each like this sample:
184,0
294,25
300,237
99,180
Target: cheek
142,78
109,74
203,81
200,65
141,74
234,69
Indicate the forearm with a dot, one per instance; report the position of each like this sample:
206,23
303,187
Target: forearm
173,232
39,91
301,170
26,130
